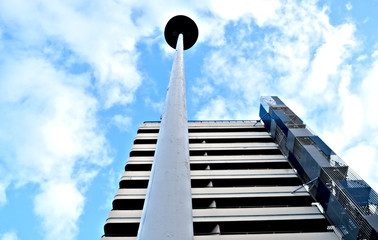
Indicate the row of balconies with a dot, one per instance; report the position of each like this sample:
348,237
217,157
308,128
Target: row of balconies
231,220
241,187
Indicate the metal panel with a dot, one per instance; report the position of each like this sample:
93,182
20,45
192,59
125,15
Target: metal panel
322,146
265,117
280,118
293,133
373,221
312,161
273,126
341,219
359,191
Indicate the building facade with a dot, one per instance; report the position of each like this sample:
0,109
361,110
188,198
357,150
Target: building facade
247,182
348,201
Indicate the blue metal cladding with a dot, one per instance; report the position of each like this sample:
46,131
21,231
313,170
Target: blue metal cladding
359,190
312,161
273,127
337,213
373,221
341,219
290,141
293,133
265,117
280,118
296,164
349,202
374,234
323,194
325,149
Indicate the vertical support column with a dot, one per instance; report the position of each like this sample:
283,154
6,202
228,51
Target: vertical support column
167,210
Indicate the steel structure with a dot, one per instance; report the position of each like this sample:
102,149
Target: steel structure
167,211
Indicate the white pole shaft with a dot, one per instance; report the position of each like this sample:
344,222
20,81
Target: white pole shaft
167,210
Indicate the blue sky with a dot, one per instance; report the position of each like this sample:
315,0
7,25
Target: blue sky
77,78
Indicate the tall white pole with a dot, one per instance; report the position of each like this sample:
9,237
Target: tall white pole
167,210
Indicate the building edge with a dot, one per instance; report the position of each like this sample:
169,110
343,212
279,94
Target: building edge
348,201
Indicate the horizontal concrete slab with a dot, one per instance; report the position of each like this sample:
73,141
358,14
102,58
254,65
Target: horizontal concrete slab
217,159
213,146
229,214
212,135
222,192
276,236
219,174
210,124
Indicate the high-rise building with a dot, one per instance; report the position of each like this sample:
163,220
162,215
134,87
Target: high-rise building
247,182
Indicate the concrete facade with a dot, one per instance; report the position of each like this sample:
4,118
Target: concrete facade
242,186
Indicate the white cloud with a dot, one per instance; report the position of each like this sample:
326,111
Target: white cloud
204,90
348,6
354,132
362,159
156,106
327,60
261,10
366,151
3,187
9,236
217,109
98,34
123,123
220,108
353,108
375,54
296,107
362,58
49,135
302,53
369,96
59,205
111,186
211,30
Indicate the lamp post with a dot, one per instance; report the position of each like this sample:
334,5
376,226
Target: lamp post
167,210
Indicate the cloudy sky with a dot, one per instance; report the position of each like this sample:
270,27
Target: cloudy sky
77,77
